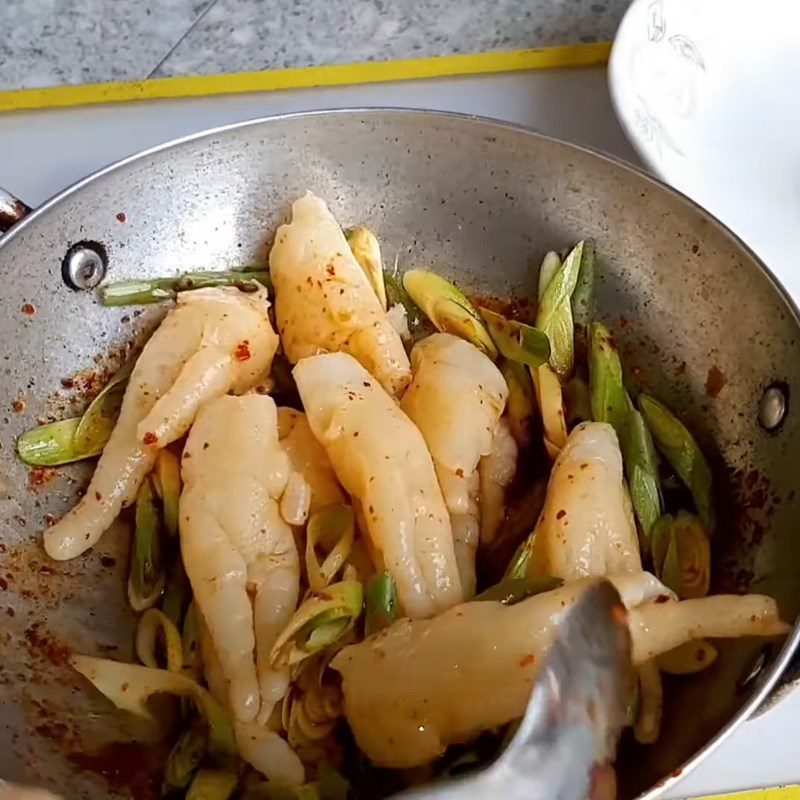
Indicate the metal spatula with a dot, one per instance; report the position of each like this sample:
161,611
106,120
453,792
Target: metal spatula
576,712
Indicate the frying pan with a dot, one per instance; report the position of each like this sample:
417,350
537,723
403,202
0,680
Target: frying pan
699,320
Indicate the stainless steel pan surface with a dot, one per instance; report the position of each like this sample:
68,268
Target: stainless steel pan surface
698,319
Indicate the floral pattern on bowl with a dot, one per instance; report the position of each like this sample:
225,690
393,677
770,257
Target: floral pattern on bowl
707,92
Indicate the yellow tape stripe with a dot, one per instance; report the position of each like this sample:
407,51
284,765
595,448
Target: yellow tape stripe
776,793
577,55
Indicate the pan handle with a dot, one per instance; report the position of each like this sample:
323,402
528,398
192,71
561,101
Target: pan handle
12,210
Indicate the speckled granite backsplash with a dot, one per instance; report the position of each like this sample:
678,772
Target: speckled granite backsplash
57,42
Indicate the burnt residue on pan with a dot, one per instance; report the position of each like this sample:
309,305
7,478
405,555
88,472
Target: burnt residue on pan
79,389
747,511
522,308
51,609
715,382
129,768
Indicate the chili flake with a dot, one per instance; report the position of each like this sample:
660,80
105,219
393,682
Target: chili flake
242,351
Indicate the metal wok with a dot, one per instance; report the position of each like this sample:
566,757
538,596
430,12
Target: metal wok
695,312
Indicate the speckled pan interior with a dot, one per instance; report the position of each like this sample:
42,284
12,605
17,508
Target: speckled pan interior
476,200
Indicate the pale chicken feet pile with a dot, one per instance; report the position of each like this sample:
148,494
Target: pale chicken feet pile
417,687
586,526
259,745
466,535
381,460
309,459
238,551
404,688
421,452
456,398
497,470
324,301
214,341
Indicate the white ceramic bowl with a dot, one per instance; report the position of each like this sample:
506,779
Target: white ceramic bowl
709,93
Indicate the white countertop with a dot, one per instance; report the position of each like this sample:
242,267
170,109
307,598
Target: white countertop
44,151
